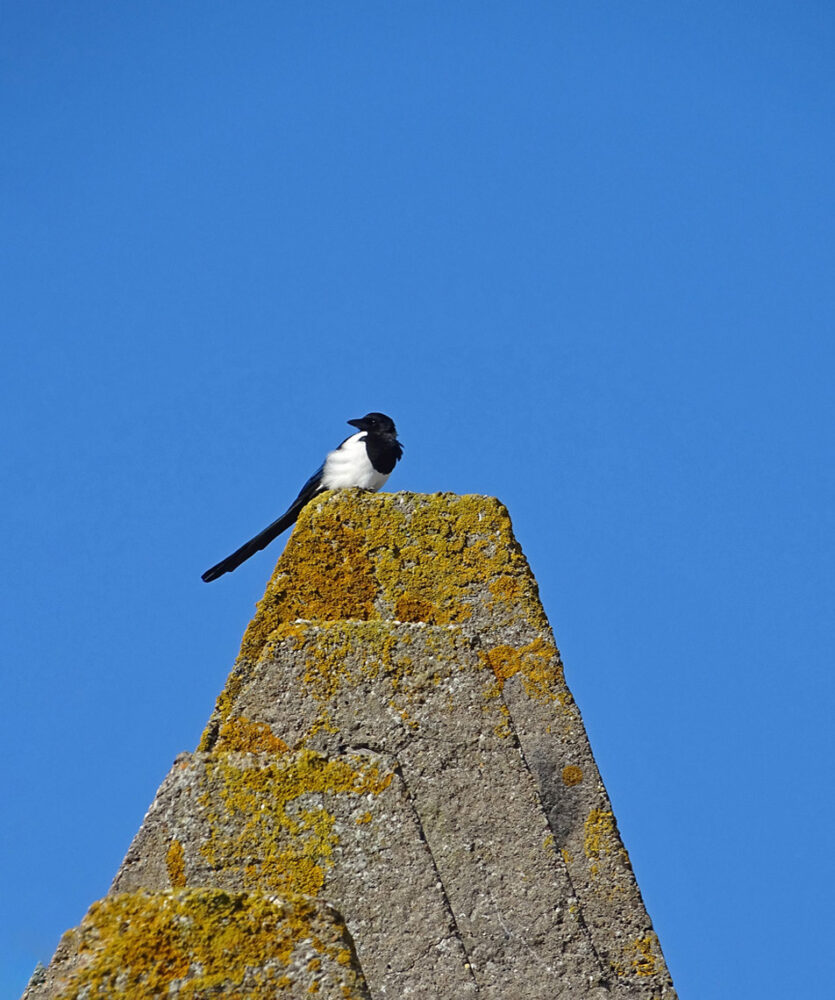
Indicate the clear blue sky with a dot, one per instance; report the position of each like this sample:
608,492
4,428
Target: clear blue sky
583,253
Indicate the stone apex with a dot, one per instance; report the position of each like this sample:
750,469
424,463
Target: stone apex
437,558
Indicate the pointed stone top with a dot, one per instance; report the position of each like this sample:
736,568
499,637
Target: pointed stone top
439,559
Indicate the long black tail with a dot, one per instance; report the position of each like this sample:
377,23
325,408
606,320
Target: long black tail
261,541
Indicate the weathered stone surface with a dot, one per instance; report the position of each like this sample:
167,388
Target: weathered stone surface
453,560
342,828
204,942
425,695
438,559
397,737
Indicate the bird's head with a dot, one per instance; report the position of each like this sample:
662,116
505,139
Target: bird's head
375,423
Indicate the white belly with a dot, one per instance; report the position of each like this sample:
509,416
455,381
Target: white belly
349,465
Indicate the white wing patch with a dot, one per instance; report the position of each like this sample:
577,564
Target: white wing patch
349,465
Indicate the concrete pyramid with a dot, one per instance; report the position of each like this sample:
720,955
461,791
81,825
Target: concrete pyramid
394,797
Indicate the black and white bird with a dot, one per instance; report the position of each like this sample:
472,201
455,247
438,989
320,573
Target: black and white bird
365,459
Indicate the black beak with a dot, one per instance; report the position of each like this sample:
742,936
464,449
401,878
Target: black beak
359,423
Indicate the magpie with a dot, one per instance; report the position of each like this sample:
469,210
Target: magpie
364,459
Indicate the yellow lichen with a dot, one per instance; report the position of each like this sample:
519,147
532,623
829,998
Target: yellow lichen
340,585
644,962
355,556
407,557
328,663
275,813
175,863
326,656
505,588
325,663
504,729
196,943
600,836
411,660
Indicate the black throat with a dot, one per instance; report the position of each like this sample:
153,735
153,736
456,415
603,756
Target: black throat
384,451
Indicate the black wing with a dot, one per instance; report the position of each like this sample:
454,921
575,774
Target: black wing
263,538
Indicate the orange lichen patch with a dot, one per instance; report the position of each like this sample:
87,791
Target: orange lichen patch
274,825
600,835
176,865
409,608
539,664
198,942
572,775
241,735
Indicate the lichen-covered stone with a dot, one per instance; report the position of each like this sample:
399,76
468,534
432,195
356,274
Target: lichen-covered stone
197,943
453,560
440,559
343,828
423,694
397,737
